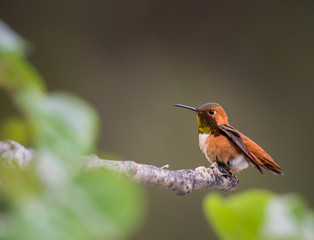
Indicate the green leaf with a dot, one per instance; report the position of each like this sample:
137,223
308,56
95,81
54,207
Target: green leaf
10,42
16,74
121,200
97,205
288,217
64,123
238,217
258,214
15,128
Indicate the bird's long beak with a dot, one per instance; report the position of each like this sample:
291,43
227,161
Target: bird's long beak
187,107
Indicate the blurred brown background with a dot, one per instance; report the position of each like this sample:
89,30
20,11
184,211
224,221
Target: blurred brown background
133,59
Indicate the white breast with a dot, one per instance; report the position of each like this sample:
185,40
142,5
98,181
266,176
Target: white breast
202,141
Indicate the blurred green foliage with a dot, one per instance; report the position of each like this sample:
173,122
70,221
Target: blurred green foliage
54,198
16,128
259,214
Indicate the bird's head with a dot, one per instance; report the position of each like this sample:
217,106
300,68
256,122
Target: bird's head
209,117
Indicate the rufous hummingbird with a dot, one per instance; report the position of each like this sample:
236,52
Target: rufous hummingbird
225,145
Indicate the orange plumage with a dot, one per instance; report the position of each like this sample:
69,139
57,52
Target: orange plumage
222,143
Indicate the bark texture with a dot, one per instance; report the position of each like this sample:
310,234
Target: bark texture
180,181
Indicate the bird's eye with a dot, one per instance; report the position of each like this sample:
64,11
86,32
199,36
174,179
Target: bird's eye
211,112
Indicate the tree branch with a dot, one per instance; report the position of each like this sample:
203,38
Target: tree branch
180,181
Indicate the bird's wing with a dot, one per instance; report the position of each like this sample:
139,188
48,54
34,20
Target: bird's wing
256,155
260,155
235,136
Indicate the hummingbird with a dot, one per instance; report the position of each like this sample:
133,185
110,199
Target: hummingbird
225,145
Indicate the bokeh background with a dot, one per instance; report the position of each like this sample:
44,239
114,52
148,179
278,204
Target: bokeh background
133,59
